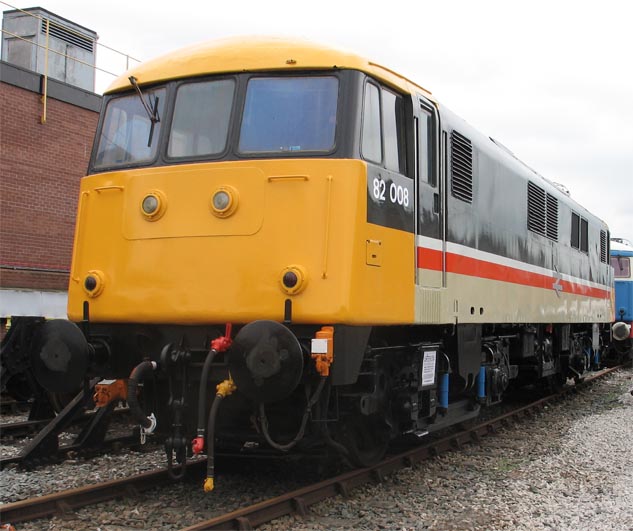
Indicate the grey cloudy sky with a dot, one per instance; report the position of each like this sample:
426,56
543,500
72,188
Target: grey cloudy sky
552,80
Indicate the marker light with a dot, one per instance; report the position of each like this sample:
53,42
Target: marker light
153,205
224,201
150,204
221,201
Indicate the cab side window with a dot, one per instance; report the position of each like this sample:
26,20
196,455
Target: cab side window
621,266
383,131
372,139
579,233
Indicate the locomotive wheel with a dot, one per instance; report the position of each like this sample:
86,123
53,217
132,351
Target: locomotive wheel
365,438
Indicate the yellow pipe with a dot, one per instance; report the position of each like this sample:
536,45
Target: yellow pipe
223,389
44,97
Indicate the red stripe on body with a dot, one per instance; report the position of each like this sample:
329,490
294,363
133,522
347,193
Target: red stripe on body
473,267
429,259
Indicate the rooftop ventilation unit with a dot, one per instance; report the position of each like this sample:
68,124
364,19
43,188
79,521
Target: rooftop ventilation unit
72,48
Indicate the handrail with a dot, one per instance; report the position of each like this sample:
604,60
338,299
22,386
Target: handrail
62,54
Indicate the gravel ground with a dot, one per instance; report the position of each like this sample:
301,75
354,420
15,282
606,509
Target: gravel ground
570,468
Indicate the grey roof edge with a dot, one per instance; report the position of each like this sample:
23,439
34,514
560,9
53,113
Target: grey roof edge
29,10
32,81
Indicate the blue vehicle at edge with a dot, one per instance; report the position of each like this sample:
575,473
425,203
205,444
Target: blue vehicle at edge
621,260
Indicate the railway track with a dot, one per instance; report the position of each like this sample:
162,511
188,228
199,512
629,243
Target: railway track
45,448
26,428
10,406
23,428
65,501
297,501
59,454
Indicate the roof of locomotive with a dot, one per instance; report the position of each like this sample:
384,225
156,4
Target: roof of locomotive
258,54
622,247
255,54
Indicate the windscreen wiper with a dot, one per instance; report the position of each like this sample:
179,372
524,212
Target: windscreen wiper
152,112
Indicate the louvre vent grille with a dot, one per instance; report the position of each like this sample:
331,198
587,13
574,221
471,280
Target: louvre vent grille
461,167
542,212
603,246
69,36
536,209
551,206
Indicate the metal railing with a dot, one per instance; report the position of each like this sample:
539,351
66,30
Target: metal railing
48,50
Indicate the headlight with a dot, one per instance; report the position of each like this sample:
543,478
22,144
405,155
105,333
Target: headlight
94,283
293,279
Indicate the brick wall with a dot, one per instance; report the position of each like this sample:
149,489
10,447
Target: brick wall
40,167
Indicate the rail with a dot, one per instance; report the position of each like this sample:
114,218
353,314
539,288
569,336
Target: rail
299,500
25,428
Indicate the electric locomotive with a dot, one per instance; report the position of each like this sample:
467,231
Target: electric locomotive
316,246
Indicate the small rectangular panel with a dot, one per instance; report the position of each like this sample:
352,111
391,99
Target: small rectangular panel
319,346
374,253
428,368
